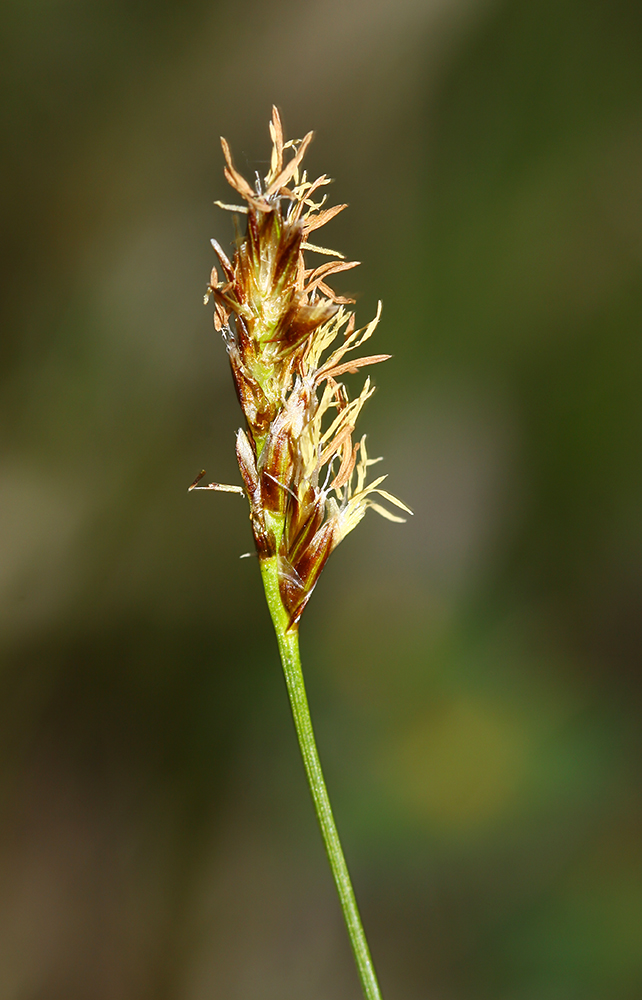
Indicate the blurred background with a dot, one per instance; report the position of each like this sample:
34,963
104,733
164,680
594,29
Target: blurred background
474,674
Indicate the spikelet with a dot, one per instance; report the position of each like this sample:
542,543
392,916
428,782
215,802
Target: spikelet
289,339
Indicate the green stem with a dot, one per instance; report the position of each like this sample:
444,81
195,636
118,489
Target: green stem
289,649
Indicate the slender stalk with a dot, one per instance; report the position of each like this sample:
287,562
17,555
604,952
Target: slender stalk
289,649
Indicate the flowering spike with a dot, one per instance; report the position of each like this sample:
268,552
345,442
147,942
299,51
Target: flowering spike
279,320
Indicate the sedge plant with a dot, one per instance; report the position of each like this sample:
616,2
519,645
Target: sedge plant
289,338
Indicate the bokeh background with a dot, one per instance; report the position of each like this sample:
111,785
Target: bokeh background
474,674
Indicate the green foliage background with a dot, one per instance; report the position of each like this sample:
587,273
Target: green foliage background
475,674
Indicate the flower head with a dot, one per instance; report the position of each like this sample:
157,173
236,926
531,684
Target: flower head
289,339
